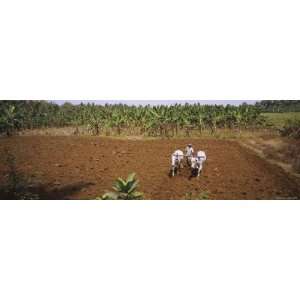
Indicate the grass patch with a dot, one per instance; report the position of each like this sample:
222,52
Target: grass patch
194,134
280,119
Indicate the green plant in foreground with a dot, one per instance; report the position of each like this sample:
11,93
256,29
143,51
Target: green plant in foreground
202,196
124,190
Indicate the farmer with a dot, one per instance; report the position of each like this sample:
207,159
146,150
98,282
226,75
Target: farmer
189,151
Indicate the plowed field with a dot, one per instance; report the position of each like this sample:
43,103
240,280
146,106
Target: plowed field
85,167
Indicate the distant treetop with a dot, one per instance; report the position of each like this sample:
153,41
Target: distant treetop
279,105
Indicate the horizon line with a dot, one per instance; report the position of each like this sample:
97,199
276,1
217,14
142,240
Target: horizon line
156,102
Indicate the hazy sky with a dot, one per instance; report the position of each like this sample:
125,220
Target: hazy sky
158,102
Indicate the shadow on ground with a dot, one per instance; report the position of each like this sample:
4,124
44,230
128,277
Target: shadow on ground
43,191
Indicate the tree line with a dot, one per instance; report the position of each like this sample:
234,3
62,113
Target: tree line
278,106
109,119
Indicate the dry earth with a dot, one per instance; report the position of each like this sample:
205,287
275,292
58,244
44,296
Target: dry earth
85,167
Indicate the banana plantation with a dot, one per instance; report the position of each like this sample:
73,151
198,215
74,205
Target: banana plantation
123,119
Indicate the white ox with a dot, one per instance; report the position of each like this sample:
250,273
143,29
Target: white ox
197,163
176,160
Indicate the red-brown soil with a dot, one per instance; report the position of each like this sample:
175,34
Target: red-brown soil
85,168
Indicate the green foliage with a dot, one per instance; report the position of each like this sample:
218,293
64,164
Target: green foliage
201,196
279,120
279,106
158,120
124,190
10,119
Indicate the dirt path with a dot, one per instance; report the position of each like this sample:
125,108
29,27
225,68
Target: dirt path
277,151
85,167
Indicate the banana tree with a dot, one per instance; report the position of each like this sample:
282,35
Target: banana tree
10,120
124,189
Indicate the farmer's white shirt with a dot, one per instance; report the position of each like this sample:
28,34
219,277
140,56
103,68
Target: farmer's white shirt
189,151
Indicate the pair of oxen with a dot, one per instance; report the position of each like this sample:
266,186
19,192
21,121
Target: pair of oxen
195,163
